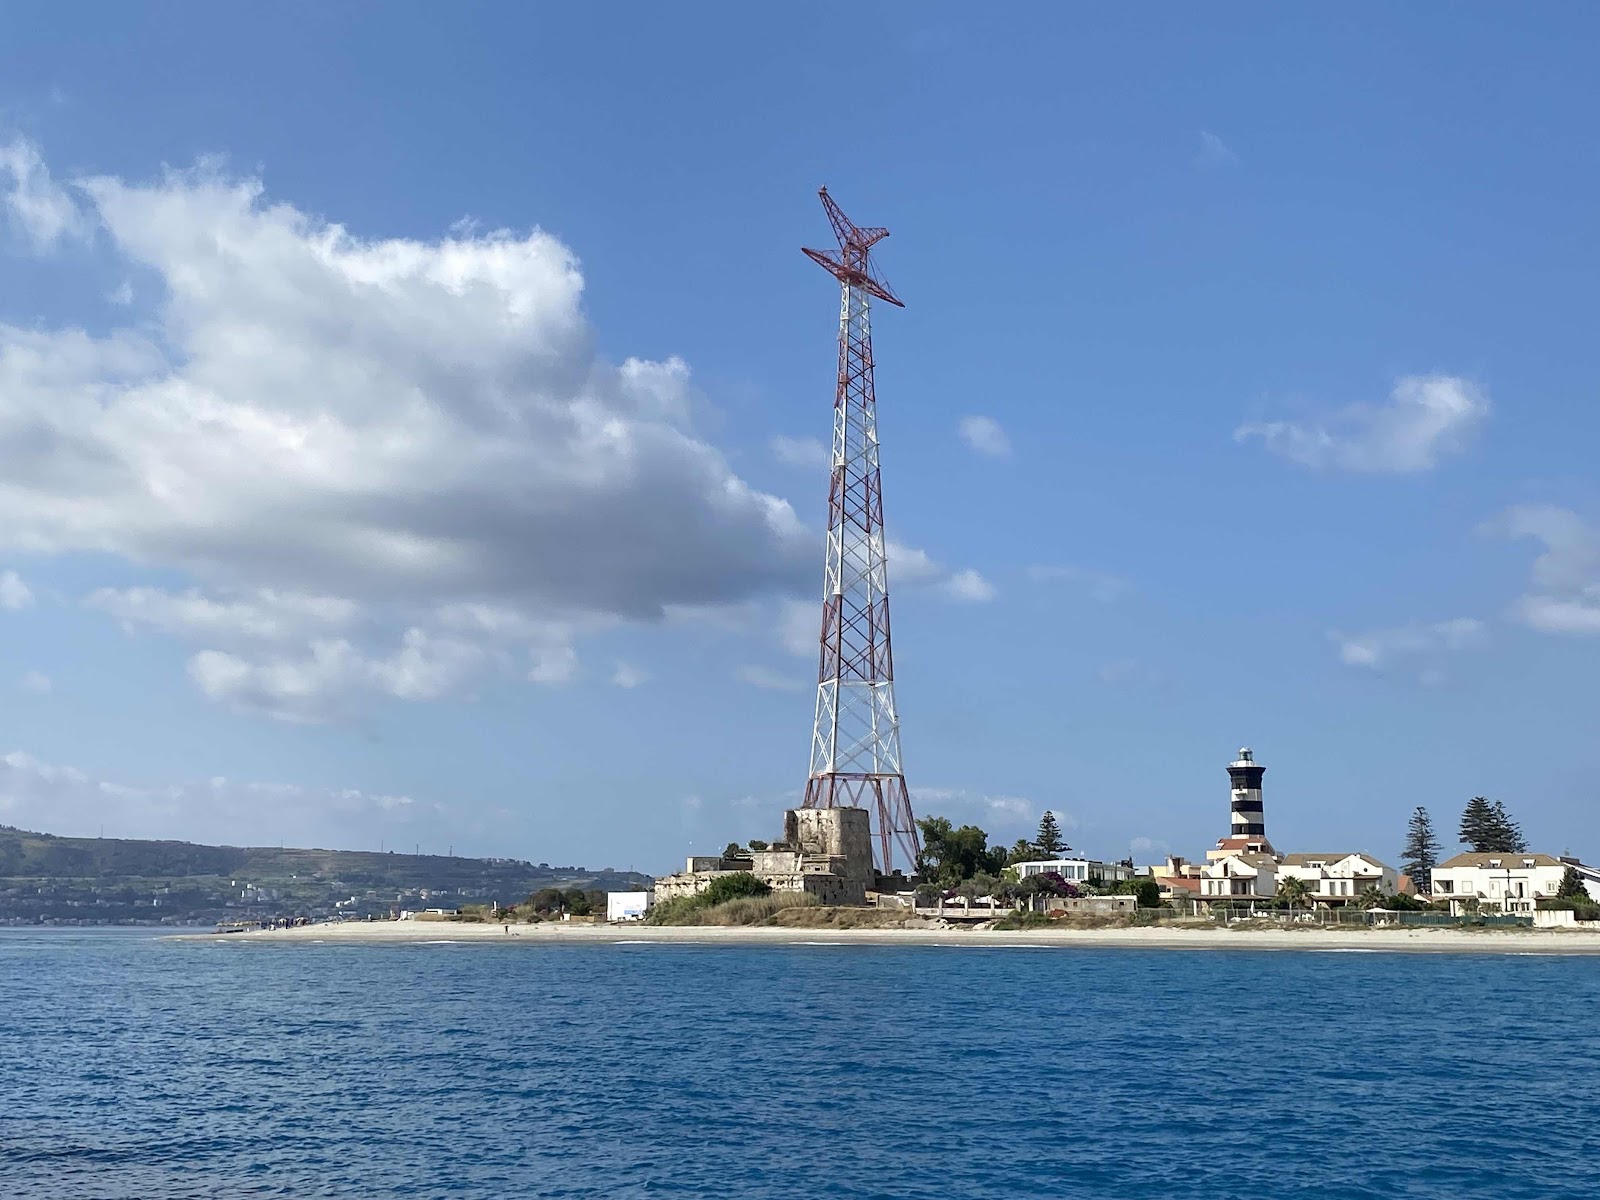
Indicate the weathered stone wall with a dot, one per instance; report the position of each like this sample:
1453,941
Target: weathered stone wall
825,852
844,833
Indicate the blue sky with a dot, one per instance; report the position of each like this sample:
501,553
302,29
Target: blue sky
1269,331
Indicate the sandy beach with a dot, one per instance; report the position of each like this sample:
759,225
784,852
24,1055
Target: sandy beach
1423,940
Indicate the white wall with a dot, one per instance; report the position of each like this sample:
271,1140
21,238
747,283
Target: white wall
626,906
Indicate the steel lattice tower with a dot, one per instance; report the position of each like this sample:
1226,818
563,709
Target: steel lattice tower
855,741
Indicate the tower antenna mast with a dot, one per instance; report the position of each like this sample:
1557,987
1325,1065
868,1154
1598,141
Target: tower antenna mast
855,739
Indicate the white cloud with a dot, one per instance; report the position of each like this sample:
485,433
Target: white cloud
392,429
260,615
1426,417
34,203
1564,596
799,622
910,566
37,682
800,627
776,681
1214,152
1003,817
1382,647
71,802
969,587
627,675
985,436
800,452
15,595
1102,587
333,676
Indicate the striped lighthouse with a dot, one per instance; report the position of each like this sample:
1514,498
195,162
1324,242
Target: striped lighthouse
1244,777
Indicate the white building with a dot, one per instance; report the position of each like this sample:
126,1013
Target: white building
1339,878
627,906
1246,876
1507,883
1076,870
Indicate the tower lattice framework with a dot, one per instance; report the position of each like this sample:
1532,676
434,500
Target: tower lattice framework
855,740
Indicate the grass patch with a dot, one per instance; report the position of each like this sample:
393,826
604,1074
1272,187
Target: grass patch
743,910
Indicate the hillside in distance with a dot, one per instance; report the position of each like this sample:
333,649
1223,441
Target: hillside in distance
46,879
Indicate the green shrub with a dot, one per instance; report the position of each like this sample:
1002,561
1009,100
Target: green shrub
673,912
741,910
733,887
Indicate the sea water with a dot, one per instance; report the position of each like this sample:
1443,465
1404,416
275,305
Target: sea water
132,1066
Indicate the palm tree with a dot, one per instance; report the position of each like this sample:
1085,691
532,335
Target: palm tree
1371,897
1293,890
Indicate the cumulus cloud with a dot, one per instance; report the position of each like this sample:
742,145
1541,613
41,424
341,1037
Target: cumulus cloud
1381,648
34,204
626,675
1425,418
800,452
263,614
330,679
1564,593
37,682
315,425
15,595
69,801
985,436
969,587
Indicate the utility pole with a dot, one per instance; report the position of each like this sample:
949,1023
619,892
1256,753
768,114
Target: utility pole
855,737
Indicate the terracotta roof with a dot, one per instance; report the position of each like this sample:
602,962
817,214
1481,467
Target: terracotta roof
1499,861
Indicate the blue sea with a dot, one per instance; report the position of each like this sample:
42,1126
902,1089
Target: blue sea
137,1067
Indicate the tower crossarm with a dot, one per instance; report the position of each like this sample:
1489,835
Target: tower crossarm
850,266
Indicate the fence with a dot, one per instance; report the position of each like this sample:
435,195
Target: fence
1364,918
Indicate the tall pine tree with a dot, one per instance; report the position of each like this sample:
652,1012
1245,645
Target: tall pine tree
1048,841
1507,833
1478,828
1421,854
1489,829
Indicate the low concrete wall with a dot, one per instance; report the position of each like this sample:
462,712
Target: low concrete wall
1102,905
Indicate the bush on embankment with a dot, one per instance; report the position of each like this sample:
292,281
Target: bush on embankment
741,910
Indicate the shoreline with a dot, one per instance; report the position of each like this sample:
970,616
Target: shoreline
1399,940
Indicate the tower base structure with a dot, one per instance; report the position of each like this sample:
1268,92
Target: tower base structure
825,853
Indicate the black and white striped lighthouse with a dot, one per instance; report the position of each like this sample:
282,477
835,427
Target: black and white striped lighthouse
1244,776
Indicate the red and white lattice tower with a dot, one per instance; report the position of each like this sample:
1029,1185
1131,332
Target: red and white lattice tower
855,742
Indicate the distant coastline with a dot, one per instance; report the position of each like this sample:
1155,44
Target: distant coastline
1423,940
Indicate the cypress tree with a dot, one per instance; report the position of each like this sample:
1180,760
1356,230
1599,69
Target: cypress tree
1421,854
1048,841
1572,886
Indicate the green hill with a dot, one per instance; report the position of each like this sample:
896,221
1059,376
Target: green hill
51,879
